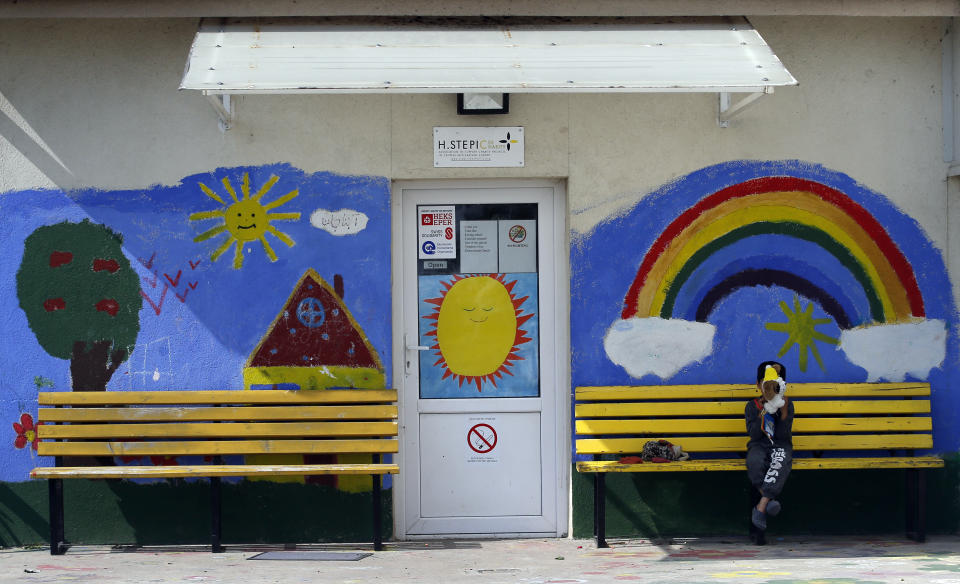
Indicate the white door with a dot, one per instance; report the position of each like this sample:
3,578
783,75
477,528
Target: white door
483,302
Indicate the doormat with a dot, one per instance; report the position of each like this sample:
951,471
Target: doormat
311,556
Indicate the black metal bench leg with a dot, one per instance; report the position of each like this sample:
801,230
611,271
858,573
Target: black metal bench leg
909,503
916,505
58,544
377,515
216,518
600,508
921,505
596,505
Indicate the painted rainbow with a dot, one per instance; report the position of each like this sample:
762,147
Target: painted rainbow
777,206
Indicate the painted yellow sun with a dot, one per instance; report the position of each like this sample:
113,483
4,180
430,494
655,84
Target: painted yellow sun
477,327
245,219
801,332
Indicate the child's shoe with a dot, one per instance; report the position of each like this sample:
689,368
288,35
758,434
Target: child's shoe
773,507
759,519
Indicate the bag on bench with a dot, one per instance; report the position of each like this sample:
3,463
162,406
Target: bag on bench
657,451
662,451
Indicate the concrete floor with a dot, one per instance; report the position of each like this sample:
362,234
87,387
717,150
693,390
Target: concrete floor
793,560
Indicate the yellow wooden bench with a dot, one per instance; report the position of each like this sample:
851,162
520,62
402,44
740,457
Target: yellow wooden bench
100,425
836,426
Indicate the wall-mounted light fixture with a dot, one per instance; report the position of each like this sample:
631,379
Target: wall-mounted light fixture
476,104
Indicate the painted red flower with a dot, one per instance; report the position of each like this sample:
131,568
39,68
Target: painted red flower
155,460
26,432
164,461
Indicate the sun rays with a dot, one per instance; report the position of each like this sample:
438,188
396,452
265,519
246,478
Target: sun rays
800,329
245,219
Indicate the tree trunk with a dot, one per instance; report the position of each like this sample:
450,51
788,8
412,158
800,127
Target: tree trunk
90,369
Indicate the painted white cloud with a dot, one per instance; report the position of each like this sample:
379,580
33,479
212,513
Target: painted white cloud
342,222
656,345
891,351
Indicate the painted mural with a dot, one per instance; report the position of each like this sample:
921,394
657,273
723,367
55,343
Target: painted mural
81,298
746,261
483,334
315,343
179,287
245,219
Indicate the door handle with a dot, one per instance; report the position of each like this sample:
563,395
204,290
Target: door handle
411,346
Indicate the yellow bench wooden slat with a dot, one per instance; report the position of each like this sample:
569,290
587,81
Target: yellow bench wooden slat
732,425
880,424
628,410
210,470
735,408
221,447
243,413
266,396
739,443
913,406
743,391
678,466
737,464
660,428
219,430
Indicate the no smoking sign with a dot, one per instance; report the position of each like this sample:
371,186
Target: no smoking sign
482,438
517,233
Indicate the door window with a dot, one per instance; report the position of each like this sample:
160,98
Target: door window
478,301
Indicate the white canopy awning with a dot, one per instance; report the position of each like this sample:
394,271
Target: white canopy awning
235,56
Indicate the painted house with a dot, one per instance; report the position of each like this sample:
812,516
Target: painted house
314,343
519,198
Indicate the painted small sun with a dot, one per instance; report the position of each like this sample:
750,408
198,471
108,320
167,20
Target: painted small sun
245,219
801,331
477,326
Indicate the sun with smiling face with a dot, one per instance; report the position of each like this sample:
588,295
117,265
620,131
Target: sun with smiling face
477,326
245,219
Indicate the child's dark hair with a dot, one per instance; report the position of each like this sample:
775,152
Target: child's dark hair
762,368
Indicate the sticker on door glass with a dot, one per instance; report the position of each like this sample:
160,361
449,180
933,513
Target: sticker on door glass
478,247
436,232
483,332
518,245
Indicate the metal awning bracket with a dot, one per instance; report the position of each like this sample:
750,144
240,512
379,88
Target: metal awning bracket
729,110
225,108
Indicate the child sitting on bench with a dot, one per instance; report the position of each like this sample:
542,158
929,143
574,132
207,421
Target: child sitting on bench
770,449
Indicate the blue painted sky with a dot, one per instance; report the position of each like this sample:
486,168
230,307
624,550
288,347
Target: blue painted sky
604,262
214,316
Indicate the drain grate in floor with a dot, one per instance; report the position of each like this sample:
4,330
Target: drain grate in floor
308,555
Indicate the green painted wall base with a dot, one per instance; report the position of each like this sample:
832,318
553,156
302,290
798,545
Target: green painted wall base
178,512
655,505
638,505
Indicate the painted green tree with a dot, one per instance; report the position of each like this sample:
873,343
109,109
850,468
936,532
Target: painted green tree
81,297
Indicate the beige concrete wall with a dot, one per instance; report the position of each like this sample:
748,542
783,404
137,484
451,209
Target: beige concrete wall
102,96
868,105
200,8
95,103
